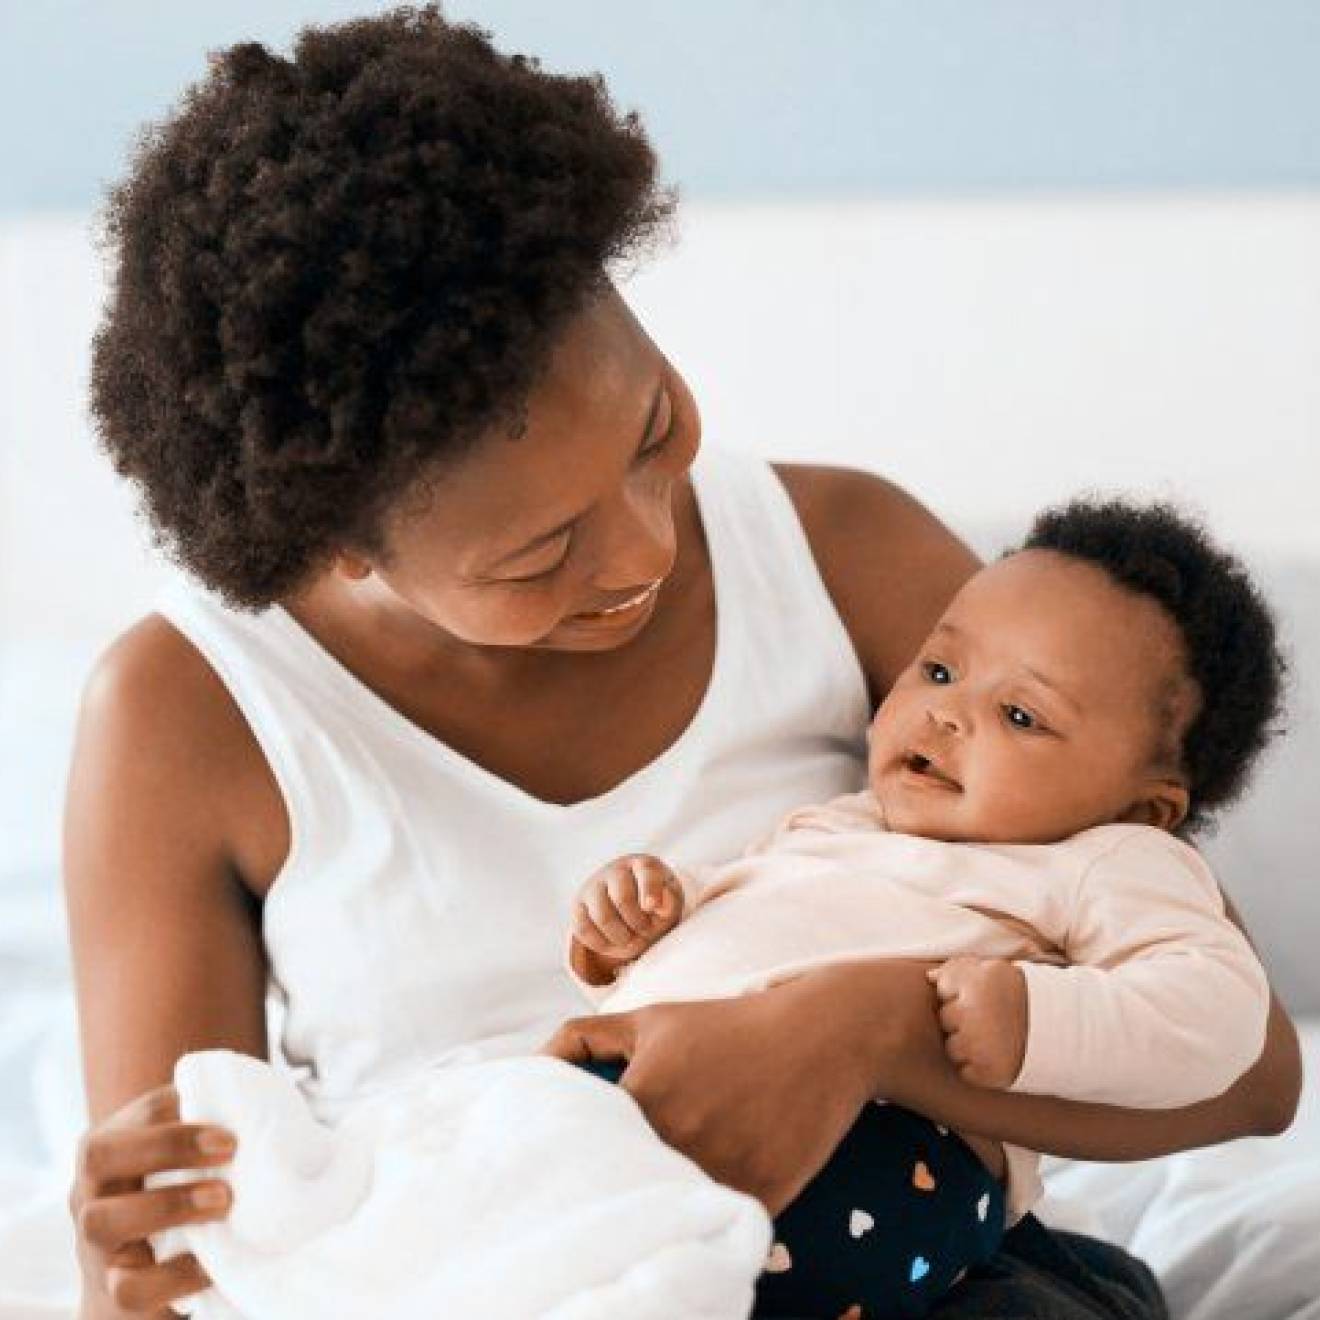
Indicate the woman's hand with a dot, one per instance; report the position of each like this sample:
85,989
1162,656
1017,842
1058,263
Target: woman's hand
620,911
113,1214
757,1090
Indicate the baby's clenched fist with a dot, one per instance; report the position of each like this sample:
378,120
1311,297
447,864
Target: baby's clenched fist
621,911
983,1014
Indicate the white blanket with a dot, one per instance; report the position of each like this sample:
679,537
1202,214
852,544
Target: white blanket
515,1188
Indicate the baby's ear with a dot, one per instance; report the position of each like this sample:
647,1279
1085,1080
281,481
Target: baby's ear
1163,803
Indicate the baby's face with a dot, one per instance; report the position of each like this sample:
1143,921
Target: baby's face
1045,701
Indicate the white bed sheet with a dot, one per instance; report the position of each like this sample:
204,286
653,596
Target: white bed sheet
1233,1232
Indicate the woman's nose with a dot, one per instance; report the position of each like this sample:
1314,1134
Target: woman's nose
637,542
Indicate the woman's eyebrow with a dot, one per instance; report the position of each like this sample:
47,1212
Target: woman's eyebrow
558,531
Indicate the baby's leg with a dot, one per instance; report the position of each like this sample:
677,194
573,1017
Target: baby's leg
899,1212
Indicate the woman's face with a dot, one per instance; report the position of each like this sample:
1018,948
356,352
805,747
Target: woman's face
560,538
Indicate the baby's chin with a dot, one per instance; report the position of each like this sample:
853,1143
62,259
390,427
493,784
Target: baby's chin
933,820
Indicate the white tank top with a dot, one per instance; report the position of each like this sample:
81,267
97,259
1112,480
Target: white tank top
421,913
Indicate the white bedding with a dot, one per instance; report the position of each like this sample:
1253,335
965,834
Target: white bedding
1233,1232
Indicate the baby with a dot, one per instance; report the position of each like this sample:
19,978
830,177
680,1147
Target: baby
1082,703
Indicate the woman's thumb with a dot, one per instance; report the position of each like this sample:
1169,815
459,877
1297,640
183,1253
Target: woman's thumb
605,1036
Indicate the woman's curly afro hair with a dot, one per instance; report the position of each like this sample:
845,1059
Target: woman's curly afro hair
335,270
1228,630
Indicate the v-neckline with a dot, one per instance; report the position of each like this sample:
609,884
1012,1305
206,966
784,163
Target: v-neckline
432,746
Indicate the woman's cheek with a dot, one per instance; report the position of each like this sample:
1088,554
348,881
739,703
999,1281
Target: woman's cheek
508,616
534,618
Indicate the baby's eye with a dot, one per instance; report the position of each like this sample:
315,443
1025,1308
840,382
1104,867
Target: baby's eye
1019,718
936,672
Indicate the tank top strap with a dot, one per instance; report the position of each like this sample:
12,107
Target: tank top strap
273,691
766,574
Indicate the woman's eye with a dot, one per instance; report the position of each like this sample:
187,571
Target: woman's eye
1019,718
541,574
936,672
652,450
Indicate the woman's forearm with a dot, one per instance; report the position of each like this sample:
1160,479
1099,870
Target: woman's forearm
1069,1127
911,1068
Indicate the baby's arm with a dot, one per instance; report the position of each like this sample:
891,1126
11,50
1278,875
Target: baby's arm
1164,1005
619,913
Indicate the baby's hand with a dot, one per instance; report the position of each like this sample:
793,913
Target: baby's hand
621,911
983,1014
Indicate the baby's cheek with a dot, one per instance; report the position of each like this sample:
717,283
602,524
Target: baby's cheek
1017,808
995,806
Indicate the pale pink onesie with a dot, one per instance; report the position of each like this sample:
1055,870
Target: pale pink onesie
1140,991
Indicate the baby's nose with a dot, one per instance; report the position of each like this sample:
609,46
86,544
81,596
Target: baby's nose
945,717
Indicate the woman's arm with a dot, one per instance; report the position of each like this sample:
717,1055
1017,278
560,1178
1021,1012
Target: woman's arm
908,1064
167,956
166,945
760,1089
1272,1087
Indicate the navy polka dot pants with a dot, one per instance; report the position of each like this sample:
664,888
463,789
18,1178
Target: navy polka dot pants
901,1210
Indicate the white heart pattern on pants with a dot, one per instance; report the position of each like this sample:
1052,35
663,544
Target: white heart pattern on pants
860,1222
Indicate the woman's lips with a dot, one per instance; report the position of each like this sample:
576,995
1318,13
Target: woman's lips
621,613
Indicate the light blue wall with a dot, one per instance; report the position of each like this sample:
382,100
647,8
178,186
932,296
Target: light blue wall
766,97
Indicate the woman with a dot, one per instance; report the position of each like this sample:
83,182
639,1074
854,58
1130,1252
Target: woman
474,616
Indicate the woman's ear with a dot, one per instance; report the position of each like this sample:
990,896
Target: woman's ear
1163,803
349,565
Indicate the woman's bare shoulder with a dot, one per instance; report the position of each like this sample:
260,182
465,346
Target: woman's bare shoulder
153,682
154,699
890,565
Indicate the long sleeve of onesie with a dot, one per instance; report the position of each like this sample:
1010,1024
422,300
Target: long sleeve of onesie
1171,1003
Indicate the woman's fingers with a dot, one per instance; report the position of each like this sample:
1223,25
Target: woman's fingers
605,1036
160,1105
114,1222
113,1153
151,1287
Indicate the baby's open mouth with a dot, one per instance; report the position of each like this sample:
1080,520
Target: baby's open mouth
926,768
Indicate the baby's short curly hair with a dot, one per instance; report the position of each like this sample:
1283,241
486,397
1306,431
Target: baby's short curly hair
1228,630
335,270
